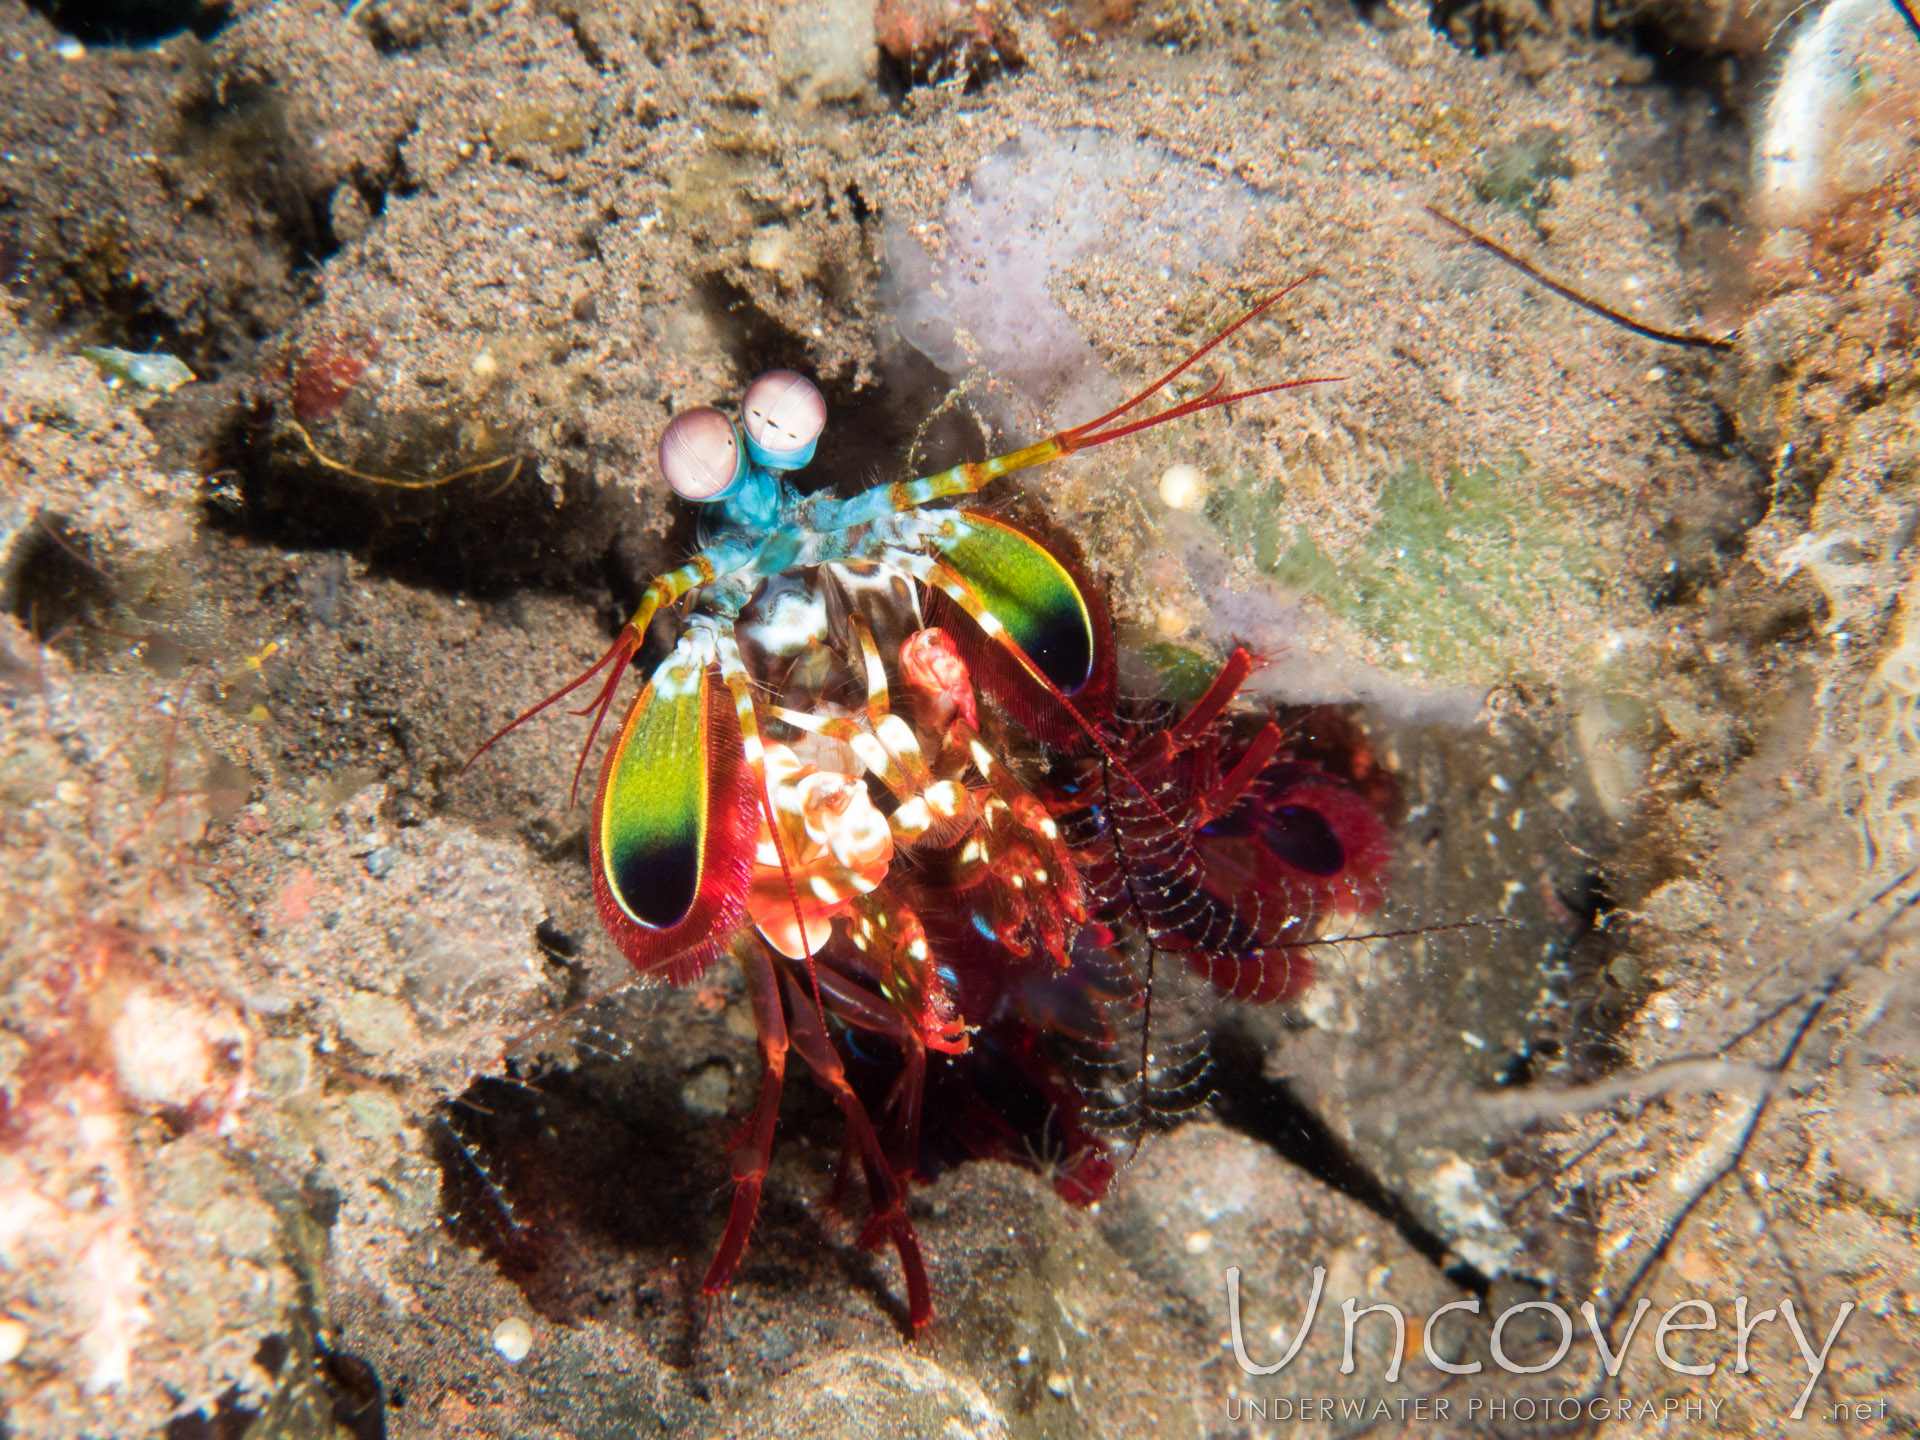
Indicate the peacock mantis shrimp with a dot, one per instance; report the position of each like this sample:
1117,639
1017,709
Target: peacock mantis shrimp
862,680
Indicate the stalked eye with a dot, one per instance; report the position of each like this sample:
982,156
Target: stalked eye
783,414
701,455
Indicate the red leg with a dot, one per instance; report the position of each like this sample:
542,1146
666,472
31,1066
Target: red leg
903,1102
864,1010
1221,797
753,1150
1194,725
1209,707
889,1219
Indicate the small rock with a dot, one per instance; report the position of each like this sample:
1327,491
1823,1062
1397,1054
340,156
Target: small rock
775,1345
708,1092
513,1339
348,215
380,862
376,1025
1604,734
770,248
870,1392
284,1068
1275,1224
1681,905
376,1117
161,374
243,1228
825,50
1878,1146
1183,487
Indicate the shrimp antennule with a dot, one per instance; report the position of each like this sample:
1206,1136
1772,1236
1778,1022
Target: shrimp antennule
1086,436
619,655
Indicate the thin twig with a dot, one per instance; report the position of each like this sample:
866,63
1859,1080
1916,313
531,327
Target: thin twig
1568,293
422,482
1818,1002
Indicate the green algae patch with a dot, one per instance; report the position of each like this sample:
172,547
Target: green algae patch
521,131
1184,673
1520,174
1480,577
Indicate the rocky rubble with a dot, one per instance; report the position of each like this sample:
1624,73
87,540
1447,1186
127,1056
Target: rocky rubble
322,1105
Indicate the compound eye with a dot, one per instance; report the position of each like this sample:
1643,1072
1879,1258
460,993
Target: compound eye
701,455
783,414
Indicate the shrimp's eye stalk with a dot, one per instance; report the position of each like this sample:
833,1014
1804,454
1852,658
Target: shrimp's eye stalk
701,455
783,414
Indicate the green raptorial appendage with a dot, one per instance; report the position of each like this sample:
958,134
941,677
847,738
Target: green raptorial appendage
1030,594
653,825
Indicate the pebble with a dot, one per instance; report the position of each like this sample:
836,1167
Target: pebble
709,1092
770,248
1183,487
513,1339
380,862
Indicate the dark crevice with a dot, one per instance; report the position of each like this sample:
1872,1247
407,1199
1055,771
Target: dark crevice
51,582
359,1400
381,34
565,1179
1486,29
1267,1110
1680,68
13,247
240,131
482,534
230,1419
74,255
589,49
133,22
1586,1045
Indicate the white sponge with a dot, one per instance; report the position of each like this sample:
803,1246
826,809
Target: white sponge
1040,203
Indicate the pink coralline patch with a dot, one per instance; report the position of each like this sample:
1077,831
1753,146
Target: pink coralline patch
68,1197
324,376
932,38
111,1014
109,1034
295,901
